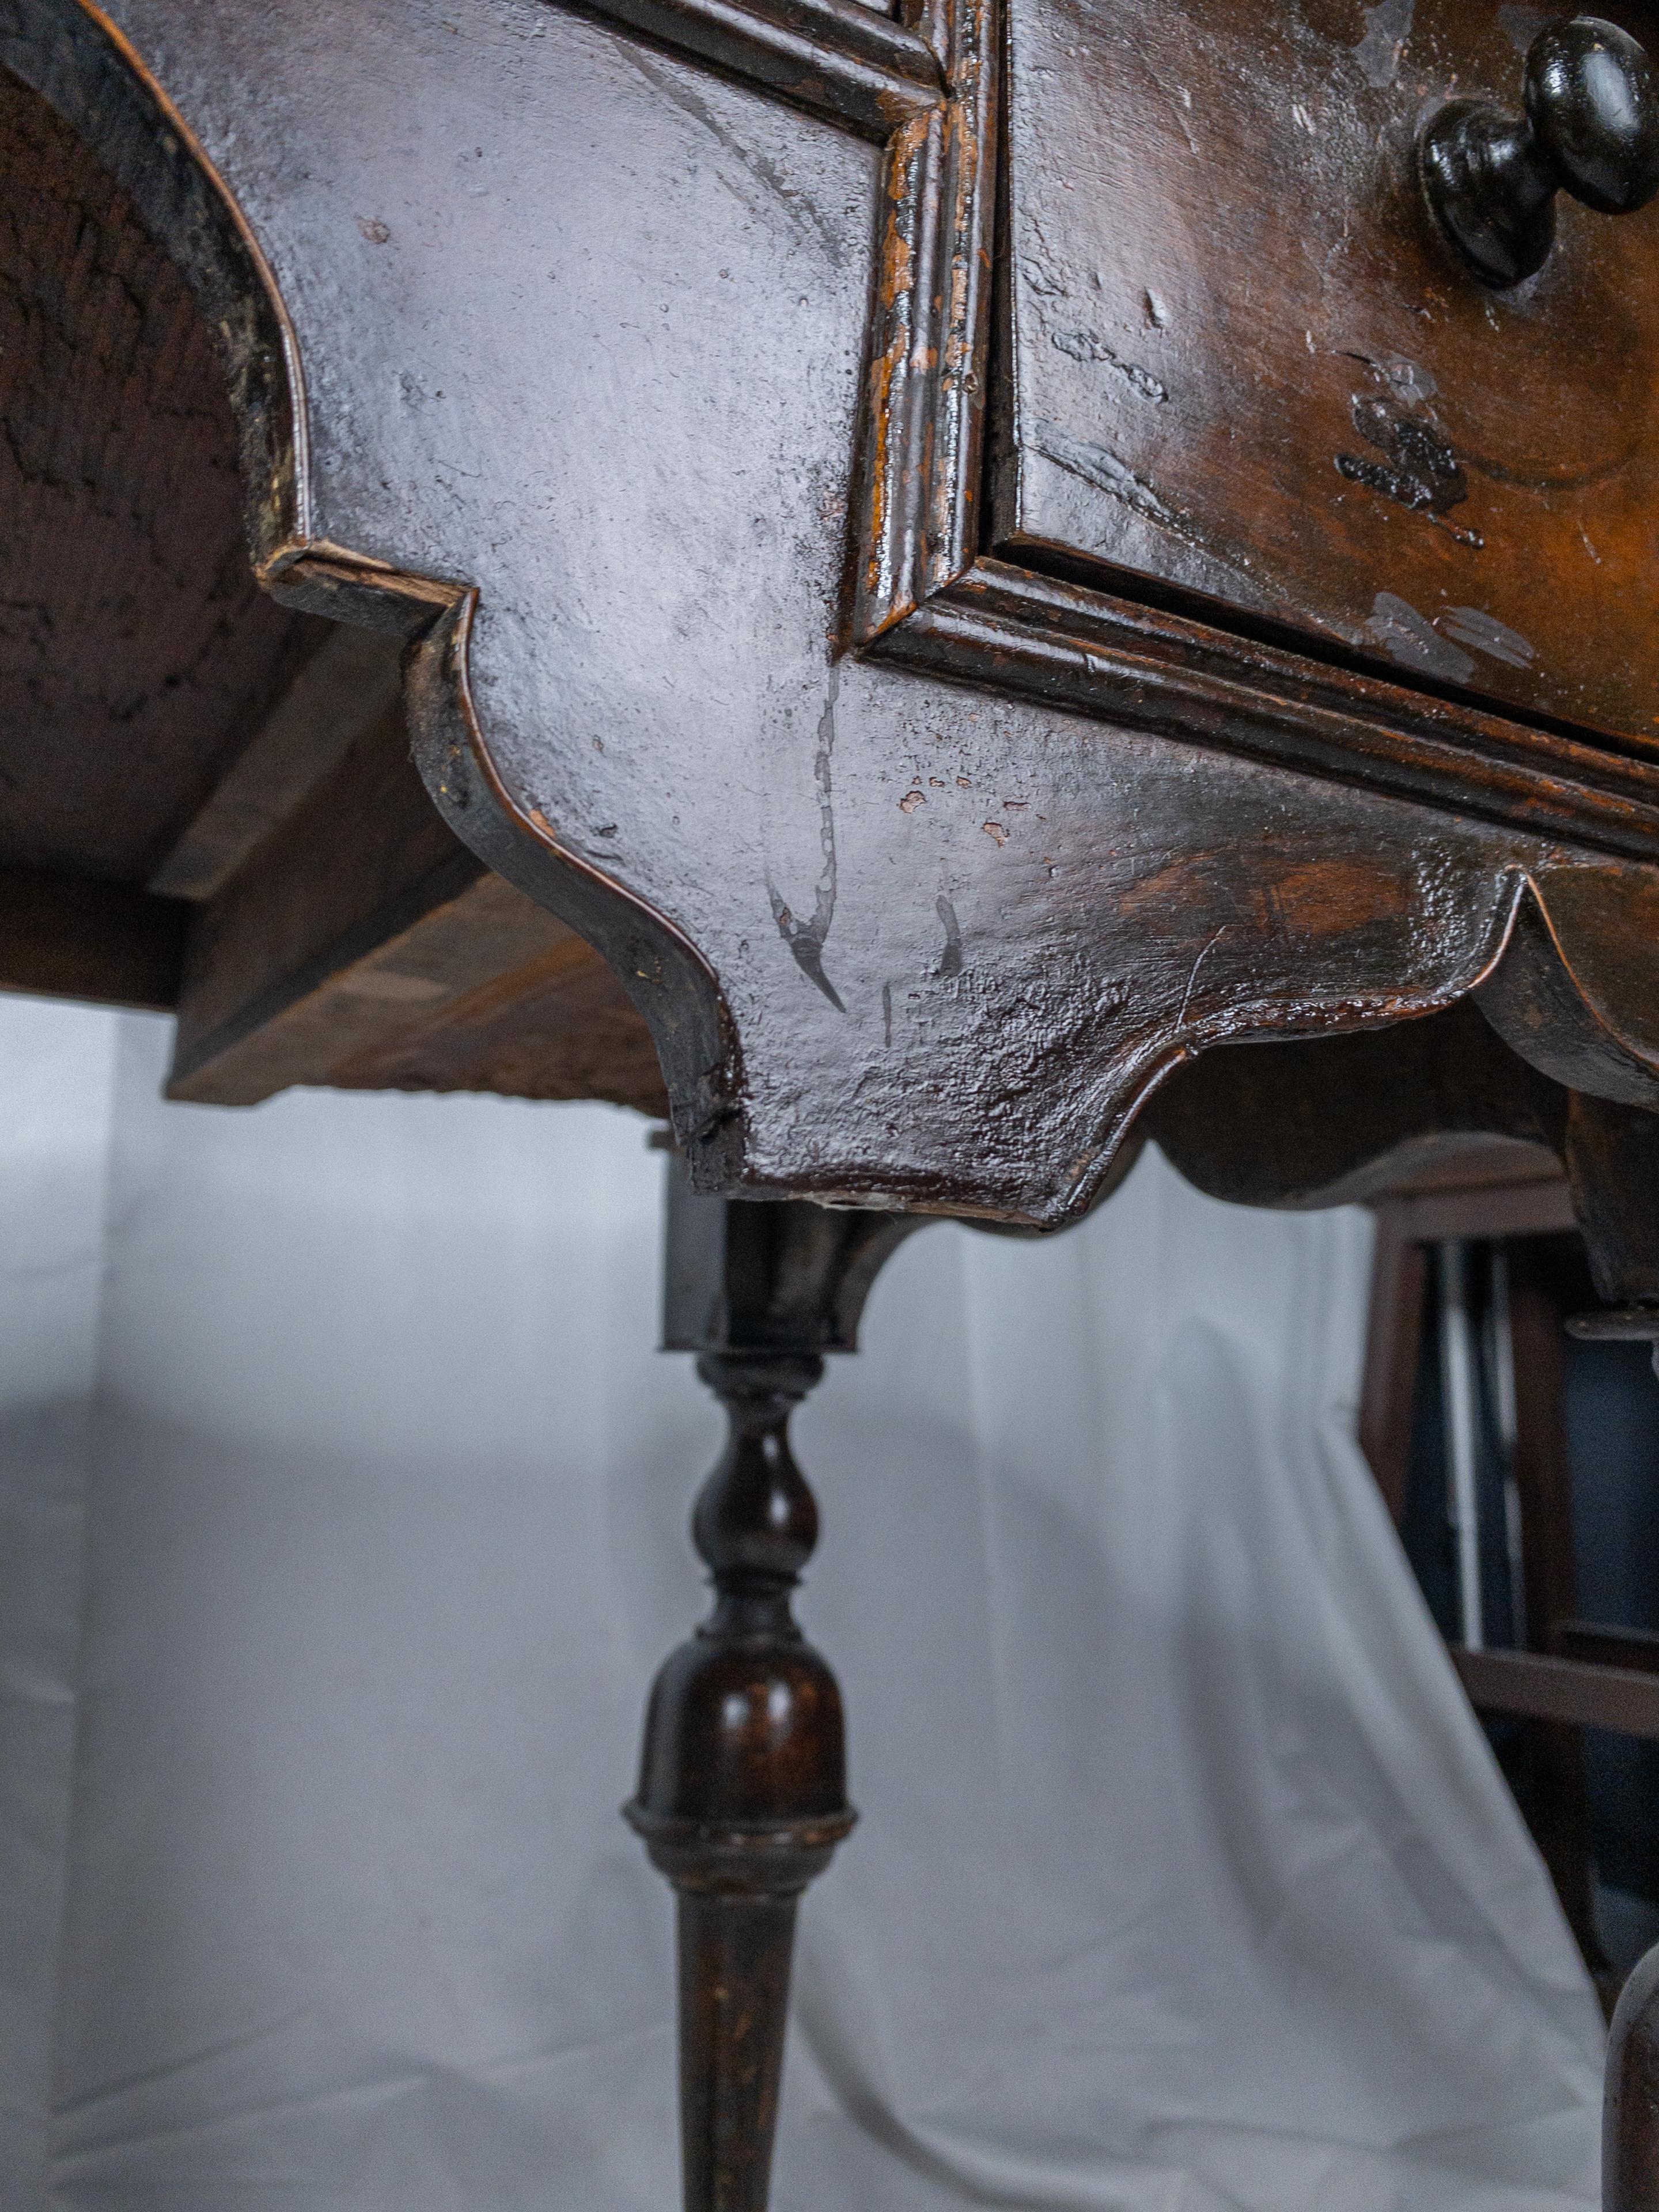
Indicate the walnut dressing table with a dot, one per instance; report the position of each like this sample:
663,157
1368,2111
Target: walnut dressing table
878,587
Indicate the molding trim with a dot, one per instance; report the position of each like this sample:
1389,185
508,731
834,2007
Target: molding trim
836,58
930,598
1003,628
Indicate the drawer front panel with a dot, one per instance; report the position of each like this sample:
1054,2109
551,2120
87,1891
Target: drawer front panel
1242,368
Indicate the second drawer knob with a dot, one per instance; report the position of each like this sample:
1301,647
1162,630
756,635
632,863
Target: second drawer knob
1590,127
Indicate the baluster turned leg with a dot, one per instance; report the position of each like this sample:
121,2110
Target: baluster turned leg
742,1794
743,1790
1629,2134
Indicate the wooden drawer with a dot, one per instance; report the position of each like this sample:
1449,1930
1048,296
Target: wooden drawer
1243,370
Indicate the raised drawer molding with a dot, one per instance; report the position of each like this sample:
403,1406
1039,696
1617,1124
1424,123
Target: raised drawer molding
1243,365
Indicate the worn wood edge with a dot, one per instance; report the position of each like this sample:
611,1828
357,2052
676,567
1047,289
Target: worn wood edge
76,60
103,944
1571,1690
1539,1004
957,368
996,629
891,459
836,58
318,577
1125,1089
669,982
1136,630
920,461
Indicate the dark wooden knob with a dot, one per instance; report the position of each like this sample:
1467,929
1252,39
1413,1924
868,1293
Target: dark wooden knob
1590,127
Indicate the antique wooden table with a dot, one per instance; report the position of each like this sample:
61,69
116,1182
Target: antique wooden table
875,586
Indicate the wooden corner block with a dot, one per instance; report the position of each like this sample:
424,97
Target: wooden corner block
362,945
350,683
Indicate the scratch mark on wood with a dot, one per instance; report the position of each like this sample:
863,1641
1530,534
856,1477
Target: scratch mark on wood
950,959
1104,471
1470,626
1095,465
1412,639
1090,346
1387,27
1192,974
805,939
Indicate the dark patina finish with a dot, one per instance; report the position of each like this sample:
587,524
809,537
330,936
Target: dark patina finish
967,593
743,1791
743,1785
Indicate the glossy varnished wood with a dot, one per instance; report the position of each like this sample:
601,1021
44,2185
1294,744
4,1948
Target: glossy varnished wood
742,1797
889,940
1587,123
1244,363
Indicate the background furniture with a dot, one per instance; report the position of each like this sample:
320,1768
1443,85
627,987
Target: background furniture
1465,1421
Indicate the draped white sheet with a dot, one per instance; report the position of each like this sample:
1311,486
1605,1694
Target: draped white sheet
1185,1882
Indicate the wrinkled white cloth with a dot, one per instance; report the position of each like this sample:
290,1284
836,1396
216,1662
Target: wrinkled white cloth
1185,1881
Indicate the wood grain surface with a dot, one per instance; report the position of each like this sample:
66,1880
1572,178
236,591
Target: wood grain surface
1245,366
927,924
137,652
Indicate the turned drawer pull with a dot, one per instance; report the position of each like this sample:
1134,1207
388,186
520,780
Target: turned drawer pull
1590,127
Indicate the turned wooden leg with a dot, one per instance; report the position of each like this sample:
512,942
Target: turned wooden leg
742,1786
743,1793
1630,2135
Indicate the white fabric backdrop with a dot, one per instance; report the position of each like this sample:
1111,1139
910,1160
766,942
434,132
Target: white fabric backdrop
1185,1882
